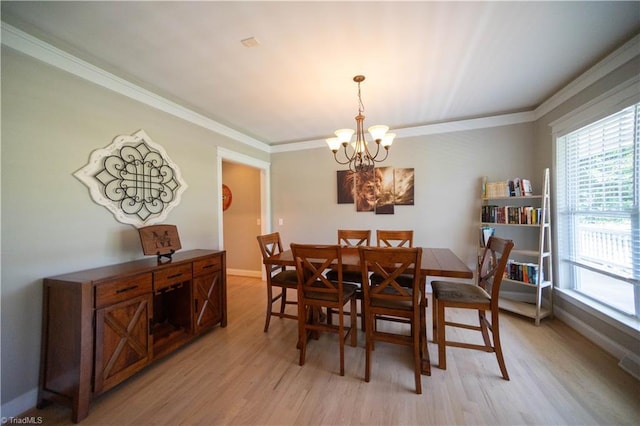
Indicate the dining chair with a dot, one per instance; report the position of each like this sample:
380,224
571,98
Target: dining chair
393,238
390,299
354,237
315,292
482,297
277,276
351,238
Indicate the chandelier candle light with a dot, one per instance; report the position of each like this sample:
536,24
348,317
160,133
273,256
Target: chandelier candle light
360,159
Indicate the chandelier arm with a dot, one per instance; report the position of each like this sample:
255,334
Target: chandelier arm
367,153
385,155
354,164
335,156
346,153
373,157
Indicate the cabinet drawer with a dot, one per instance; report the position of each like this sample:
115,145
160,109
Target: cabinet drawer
206,266
170,276
123,289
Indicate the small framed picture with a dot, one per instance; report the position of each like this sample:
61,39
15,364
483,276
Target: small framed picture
158,240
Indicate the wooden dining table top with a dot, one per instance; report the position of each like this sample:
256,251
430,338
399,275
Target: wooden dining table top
435,262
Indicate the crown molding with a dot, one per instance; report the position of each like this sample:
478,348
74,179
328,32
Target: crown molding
34,47
237,157
38,49
429,129
619,97
615,60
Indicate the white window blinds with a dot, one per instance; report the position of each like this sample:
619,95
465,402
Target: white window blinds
599,199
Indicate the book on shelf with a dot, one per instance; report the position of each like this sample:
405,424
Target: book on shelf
485,233
522,271
513,215
497,189
516,187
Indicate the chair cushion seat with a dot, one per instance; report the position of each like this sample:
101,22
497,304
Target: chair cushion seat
403,279
348,290
288,278
460,292
347,276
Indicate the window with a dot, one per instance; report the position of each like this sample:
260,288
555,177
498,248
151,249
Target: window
598,211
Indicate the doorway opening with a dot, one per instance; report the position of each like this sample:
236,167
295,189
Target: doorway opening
242,234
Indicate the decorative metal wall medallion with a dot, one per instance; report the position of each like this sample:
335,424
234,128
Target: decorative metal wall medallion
134,178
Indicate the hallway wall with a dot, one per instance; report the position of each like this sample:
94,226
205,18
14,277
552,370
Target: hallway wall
241,220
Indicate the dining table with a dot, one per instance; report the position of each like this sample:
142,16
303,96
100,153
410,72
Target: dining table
435,262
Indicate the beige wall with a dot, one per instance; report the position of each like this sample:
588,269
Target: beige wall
448,168
51,122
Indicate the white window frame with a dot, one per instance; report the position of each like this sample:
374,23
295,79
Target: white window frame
615,100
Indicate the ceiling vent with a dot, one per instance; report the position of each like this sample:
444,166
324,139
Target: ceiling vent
250,42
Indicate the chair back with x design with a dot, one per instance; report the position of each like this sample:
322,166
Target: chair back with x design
387,238
315,292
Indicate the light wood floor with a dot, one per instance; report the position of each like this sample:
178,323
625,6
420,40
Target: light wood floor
242,376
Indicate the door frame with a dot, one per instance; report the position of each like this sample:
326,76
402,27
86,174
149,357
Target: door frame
225,154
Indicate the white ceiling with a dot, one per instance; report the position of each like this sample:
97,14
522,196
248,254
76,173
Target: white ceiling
424,62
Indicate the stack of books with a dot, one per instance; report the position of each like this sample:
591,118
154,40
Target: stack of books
516,187
521,271
515,215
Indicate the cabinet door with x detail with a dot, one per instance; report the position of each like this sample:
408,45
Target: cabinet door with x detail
209,292
123,342
207,301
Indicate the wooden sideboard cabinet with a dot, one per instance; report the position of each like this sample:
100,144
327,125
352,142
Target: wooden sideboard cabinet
102,325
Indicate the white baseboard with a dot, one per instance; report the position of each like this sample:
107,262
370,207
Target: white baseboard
629,361
19,405
631,364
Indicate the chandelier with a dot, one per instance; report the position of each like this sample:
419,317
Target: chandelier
358,157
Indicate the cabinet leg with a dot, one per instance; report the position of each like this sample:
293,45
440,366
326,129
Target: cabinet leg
79,409
80,403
